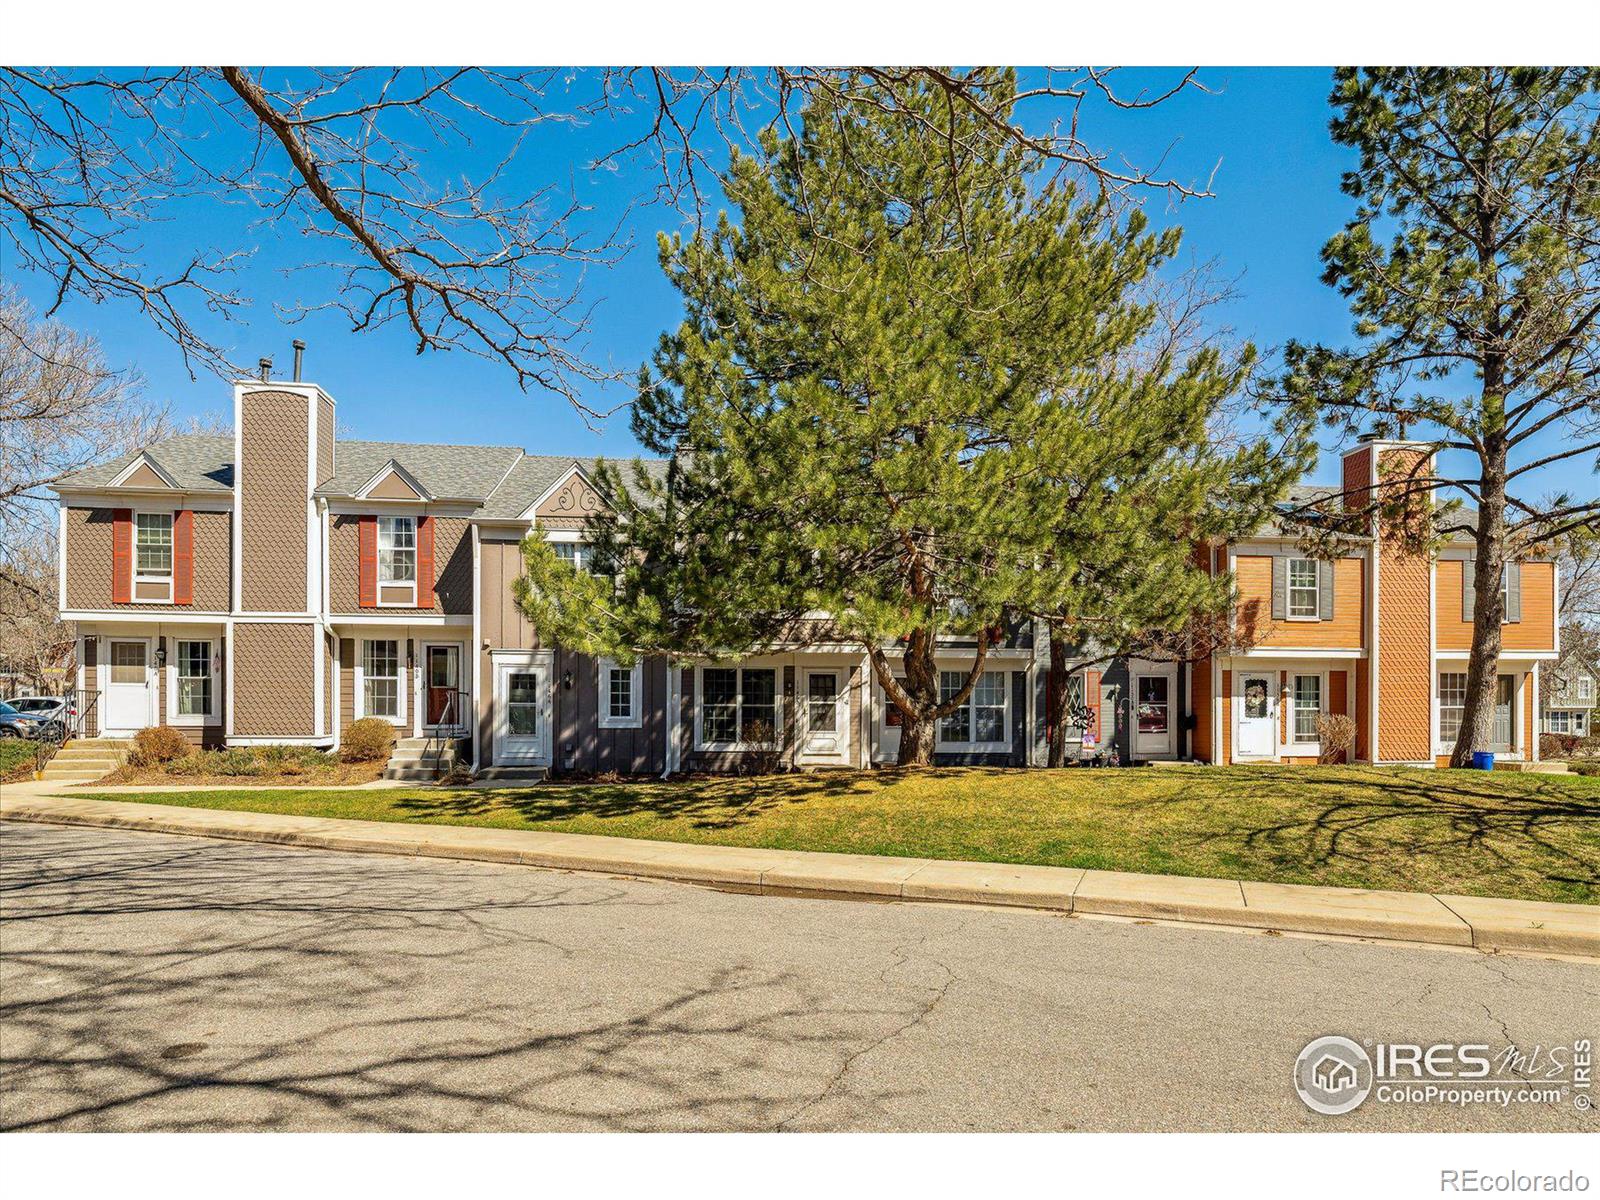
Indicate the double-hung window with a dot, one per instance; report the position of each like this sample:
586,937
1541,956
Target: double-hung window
397,553
196,688
1452,702
152,549
1559,721
738,707
1585,688
1307,707
577,555
619,695
380,679
1305,601
981,719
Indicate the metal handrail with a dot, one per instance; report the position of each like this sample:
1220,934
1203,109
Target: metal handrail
449,719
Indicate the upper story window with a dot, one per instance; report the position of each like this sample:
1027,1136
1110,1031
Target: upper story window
397,549
578,554
1305,598
152,536
1585,687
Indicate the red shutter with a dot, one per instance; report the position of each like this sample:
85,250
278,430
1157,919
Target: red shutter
367,572
425,562
1091,697
121,555
183,557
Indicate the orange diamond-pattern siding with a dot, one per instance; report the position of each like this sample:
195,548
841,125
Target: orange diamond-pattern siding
275,671
272,494
1405,691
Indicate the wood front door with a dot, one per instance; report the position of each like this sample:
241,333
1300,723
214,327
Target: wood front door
444,702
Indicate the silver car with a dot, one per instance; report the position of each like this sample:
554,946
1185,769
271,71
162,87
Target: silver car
52,713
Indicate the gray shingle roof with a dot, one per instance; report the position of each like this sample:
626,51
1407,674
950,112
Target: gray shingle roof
199,462
535,474
448,472
204,463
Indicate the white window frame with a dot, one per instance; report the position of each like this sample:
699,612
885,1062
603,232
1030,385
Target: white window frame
582,552
360,699
1459,709
1585,687
410,600
174,661
1559,720
139,577
1315,740
700,742
635,695
975,747
1315,588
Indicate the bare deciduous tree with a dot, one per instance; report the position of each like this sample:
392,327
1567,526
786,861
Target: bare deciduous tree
485,264
62,408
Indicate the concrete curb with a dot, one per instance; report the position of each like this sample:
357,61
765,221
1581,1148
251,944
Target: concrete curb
1487,924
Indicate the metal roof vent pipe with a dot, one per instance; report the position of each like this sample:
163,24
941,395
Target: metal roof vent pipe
266,368
299,353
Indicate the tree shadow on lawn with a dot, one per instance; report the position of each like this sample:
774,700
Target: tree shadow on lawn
1309,818
712,803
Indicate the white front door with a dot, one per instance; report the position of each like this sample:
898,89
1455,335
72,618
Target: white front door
1258,715
522,713
1152,726
128,677
826,716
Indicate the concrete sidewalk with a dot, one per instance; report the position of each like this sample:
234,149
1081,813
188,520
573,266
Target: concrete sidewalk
1487,924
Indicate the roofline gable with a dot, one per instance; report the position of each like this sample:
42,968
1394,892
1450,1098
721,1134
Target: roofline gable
393,467
144,459
576,468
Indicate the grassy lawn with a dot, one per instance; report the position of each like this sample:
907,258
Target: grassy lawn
1500,834
16,758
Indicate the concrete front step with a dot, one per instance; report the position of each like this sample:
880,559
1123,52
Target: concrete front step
512,774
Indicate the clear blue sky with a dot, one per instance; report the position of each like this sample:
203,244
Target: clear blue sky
1277,200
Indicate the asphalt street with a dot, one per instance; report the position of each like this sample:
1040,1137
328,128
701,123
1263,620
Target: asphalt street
150,982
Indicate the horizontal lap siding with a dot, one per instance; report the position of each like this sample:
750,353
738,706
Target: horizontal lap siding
1253,573
1536,630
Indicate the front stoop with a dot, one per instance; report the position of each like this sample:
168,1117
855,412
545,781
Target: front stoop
83,760
424,760
1533,768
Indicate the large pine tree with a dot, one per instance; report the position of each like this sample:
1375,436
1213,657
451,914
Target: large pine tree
902,396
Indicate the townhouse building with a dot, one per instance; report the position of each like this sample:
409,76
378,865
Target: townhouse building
276,585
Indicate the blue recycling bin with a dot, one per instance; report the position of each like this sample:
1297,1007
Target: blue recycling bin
1483,760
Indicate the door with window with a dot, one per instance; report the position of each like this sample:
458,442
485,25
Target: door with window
1152,725
826,714
127,684
1258,717
522,712
444,705
1503,740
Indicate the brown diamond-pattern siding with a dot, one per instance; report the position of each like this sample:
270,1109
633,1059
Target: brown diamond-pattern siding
452,556
325,436
274,691
89,562
272,494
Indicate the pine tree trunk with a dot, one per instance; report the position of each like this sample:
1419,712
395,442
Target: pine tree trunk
1488,611
1056,699
919,728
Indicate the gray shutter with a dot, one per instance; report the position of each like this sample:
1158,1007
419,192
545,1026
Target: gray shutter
1325,589
1513,591
1469,588
1280,587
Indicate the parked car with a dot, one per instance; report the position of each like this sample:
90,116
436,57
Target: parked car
57,712
16,724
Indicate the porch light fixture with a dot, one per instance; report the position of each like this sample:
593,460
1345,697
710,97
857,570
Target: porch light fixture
161,653
566,680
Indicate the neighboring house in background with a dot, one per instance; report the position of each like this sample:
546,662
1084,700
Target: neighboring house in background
276,585
1572,691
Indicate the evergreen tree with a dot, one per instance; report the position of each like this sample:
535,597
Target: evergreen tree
898,397
1471,267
